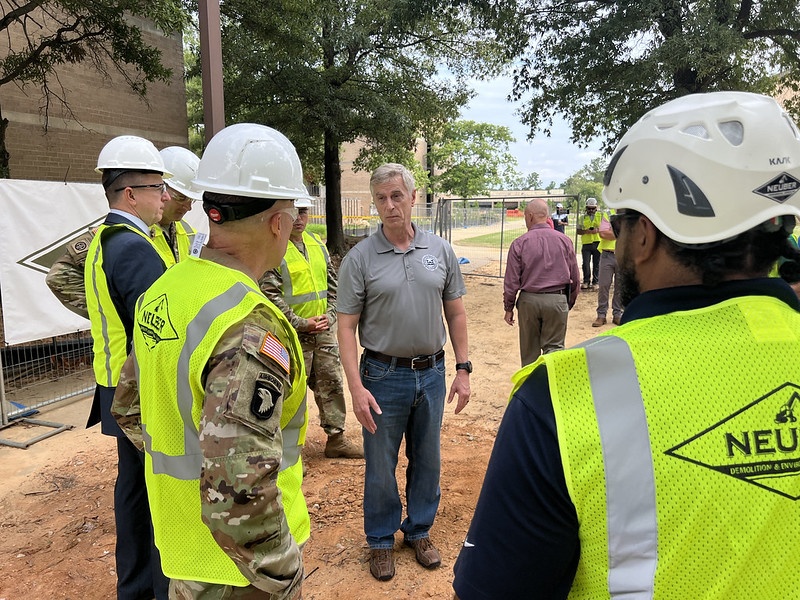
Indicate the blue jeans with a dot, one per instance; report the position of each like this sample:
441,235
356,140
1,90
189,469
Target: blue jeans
412,404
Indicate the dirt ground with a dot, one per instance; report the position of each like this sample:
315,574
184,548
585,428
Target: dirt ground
57,530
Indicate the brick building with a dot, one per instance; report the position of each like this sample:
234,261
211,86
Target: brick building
101,108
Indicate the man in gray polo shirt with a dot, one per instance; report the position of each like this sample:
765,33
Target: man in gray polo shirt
393,287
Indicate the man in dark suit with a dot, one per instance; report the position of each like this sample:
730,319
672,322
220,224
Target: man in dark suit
121,264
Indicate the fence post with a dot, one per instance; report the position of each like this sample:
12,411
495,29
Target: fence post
3,416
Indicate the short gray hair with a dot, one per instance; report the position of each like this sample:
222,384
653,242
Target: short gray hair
389,171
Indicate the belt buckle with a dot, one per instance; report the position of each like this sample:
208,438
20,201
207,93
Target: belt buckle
420,359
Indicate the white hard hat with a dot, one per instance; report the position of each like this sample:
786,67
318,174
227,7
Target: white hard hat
131,153
591,202
182,163
559,205
304,202
706,167
251,160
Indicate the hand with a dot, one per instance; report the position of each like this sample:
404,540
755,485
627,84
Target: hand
461,387
363,404
509,317
317,324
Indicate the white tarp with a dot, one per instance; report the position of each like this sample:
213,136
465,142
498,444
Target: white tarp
38,219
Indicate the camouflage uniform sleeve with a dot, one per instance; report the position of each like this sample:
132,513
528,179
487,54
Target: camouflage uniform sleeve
271,284
126,407
333,285
65,277
241,441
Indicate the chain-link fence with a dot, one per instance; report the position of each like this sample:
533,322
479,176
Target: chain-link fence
482,229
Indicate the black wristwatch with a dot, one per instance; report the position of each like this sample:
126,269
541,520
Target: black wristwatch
465,366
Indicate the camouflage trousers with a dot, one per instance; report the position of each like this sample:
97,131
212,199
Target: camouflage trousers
194,590
325,378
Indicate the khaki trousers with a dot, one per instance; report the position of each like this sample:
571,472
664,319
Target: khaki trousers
542,320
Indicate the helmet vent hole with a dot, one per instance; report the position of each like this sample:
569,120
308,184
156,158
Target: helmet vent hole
733,132
698,131
792,126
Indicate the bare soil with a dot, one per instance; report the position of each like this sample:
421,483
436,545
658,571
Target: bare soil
57,529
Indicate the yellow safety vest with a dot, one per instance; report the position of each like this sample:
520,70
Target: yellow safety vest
206,300
606,244
184,236
108,333
679,443
589,223
305,281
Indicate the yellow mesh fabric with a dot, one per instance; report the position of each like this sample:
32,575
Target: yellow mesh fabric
175,503
714,383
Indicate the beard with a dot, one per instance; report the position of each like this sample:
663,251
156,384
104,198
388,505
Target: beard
628,282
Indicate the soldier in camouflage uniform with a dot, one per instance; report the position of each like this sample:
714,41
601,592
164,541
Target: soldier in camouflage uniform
223,442
317,333
65,278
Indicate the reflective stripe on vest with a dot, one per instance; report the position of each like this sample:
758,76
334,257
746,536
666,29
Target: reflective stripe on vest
108,332
305,281
632,522
594,222
188,465
184,237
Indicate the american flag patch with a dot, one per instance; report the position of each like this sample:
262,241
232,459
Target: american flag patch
272,347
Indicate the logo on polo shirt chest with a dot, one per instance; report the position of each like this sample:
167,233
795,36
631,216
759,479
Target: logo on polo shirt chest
758,444
430,262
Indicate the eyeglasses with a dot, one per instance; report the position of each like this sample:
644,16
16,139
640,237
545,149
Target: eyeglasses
292,212
617,219
162,187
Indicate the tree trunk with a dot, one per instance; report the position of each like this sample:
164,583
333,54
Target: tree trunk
5,170
333,195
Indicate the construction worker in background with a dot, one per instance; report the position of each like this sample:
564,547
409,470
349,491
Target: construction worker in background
560,218
590,239
657,460
304,288
608,275
121,263
219,403
172,236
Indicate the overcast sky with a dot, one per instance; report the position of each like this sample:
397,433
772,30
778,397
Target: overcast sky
554,158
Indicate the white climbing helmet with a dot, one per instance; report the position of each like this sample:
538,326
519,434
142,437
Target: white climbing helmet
705,168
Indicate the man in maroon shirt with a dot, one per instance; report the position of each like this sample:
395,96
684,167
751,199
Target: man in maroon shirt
542,268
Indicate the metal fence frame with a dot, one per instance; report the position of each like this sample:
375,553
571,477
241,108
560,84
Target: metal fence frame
38,374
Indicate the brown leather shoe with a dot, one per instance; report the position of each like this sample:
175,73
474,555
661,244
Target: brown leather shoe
426,552
599,321
339,446
616,320
381,563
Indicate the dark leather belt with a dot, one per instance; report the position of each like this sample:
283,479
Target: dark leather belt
416,363
561,291
608,251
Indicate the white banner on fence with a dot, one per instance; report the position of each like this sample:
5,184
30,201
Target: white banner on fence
39,219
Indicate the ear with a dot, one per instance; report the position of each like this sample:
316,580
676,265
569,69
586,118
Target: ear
413,197
644,237
276,224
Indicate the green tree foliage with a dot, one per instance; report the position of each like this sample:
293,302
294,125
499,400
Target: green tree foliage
472,158
194,88
531,181
604,64
587,182
39,37
326,72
